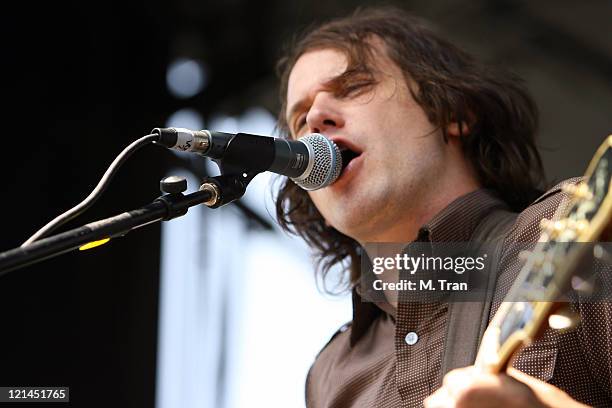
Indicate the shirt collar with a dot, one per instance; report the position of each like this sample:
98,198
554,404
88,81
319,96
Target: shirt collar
455,223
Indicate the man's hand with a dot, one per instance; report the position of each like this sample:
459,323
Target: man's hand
470,388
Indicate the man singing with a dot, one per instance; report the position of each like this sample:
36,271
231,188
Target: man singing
443,151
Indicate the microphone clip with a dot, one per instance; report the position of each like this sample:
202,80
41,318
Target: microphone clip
226,187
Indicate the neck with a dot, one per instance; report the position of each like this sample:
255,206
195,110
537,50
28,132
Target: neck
406,227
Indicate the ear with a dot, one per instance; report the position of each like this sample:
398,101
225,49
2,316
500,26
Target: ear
456,129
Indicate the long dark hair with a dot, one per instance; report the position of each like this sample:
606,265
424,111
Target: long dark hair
450,87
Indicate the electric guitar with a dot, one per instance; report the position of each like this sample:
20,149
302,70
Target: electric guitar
551,267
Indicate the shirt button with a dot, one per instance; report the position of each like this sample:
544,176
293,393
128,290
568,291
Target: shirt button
411,338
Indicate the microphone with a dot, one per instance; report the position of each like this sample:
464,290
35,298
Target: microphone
312,162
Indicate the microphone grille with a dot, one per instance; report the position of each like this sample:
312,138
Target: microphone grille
326,163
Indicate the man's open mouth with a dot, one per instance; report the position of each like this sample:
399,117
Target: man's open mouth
347,155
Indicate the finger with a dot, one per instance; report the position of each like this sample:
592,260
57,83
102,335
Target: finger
459,379
544,391
439,399
534,383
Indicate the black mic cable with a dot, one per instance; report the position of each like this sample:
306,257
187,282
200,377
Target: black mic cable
95,194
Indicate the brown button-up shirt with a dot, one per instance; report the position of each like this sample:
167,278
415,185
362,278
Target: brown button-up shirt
393,358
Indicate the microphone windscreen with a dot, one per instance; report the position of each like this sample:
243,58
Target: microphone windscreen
325,163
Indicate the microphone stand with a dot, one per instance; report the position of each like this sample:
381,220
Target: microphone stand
214,192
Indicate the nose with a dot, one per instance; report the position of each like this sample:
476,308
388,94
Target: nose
324,115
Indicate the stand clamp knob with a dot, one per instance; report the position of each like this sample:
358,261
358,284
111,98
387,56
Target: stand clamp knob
173,185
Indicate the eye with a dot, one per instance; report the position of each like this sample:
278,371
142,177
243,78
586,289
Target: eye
299,124
352,83
354,89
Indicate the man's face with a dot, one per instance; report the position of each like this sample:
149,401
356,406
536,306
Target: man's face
401,154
